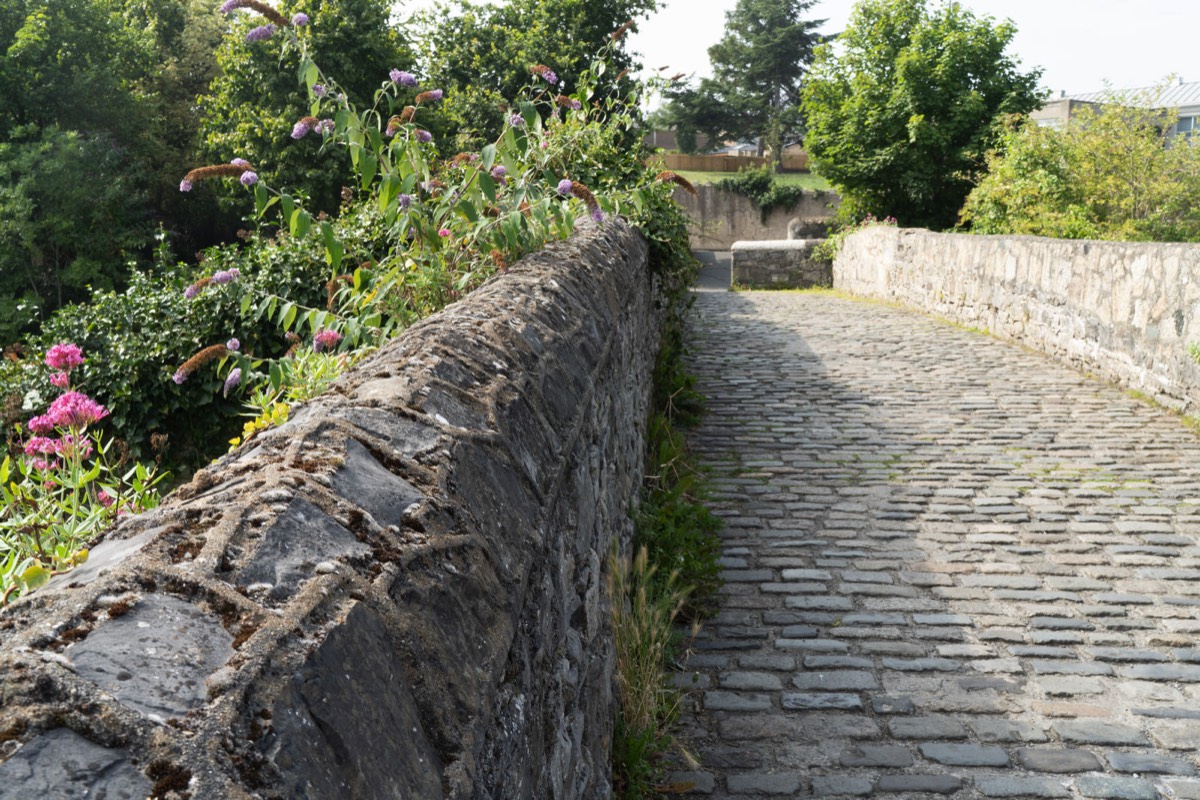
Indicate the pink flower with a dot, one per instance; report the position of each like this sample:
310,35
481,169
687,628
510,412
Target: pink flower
61,380
41,445
326,340
64,357
104,498
233,344
75,410
444,232
72,446
42,424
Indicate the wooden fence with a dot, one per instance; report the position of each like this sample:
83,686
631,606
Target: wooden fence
678,161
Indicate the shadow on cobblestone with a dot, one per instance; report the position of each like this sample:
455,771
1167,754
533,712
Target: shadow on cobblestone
954,568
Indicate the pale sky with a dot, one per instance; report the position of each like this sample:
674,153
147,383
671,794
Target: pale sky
1078,43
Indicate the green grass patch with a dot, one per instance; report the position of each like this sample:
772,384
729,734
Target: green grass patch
804,180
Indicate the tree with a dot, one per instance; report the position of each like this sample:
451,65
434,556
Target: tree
757,70
254,102
1114,172
902,108
481,54
71,216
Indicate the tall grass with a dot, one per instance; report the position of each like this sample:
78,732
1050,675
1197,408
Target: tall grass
644,608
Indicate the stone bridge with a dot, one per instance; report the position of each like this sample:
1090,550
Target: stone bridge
954,567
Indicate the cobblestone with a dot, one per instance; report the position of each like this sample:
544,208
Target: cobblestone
953,567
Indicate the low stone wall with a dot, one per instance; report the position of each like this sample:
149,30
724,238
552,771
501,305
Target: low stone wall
1126,311
397,594
784,264
720,218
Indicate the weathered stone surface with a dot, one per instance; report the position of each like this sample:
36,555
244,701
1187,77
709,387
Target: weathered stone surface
722,217
346,725
787,264
1135,330
156,658
1049,759
1017,786
62,765
293,546
401,591
373,487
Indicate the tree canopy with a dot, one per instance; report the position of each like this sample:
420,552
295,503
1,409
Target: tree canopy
903,106
482,53
758,66
252,105
1114,172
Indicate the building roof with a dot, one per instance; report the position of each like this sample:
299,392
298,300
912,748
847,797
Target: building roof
1172,95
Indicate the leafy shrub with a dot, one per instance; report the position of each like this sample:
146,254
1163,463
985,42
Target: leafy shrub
758,183
1114,172
65,488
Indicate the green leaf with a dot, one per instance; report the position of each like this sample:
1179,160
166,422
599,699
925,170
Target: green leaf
35,576
247,301
368,164
301,223
488,157
287,315
467,209
286,204
488,186
5,468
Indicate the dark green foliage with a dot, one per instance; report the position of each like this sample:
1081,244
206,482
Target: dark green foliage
673,522
758,183
1114,172
252,105
902,109
137,337
757,70
71,215
481,53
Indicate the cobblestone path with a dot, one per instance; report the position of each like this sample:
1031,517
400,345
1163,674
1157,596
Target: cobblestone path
954,568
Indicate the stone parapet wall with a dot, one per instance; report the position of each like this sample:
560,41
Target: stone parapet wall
787,264
397,594
1126,311
719,217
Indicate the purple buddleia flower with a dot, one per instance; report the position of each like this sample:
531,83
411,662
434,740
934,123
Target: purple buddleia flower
319,90
549,75
301,128
235,273
564,187
403,78
179,377
249,178
405,200
228,6
261,33
222,277
517,121
499,171
241,162
325,126
424,137
185,185
597,214
576,105
233,344
300,20
231,382
435,94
